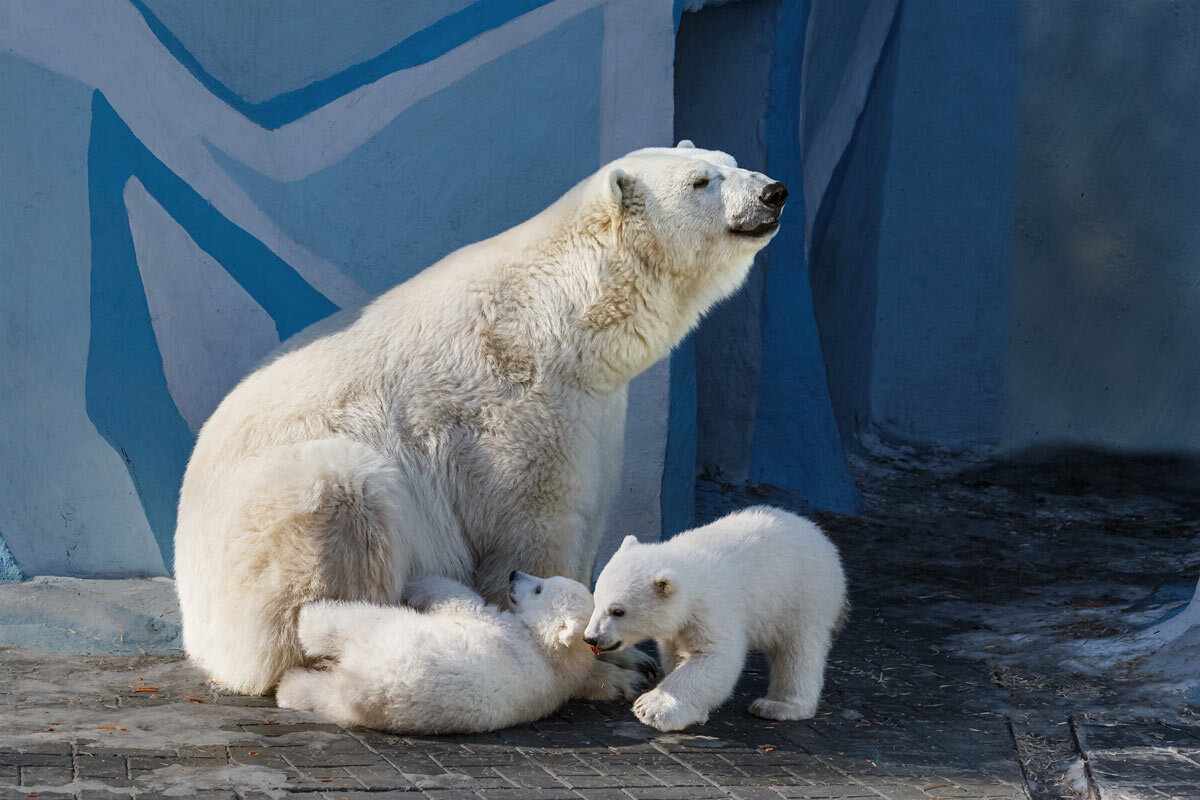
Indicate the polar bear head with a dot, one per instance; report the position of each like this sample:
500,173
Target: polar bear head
684,225
638,596
554,609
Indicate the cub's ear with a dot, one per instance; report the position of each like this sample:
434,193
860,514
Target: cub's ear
664,583
628,541
685,144
571,631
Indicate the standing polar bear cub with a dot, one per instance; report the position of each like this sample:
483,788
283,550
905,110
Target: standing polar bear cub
451,664
760,578
468,422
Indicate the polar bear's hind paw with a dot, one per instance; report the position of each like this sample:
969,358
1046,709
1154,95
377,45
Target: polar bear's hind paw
781,710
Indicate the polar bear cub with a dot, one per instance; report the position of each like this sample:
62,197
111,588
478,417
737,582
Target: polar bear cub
760,578
450,663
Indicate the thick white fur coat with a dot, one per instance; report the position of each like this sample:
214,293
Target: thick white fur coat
450,663
464,424
758,579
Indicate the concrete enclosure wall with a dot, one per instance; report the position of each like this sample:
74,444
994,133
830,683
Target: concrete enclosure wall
990,243
1006,257
187,184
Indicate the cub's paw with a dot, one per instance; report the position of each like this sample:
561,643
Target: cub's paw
665,712
302,689
778,709
611,683
632,658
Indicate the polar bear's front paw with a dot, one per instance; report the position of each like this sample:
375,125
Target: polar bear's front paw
664,711
634,659
610,683
778,709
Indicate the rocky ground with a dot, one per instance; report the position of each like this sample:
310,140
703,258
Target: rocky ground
988,656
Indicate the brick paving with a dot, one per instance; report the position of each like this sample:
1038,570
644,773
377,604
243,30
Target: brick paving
926,695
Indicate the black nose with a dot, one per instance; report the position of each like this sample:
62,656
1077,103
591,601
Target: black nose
591,640
512,576
774,195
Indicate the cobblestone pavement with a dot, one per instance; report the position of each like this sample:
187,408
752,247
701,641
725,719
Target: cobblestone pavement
930,691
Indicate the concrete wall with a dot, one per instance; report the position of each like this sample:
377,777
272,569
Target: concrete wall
761,410
990,243
187,184
1007,254
1105,345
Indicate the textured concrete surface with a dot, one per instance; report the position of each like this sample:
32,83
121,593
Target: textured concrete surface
952,679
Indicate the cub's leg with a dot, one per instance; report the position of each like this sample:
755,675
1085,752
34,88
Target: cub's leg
698,685
669,655
437,594
797,675
318,691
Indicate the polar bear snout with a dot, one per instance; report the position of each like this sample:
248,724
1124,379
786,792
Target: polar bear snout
599,634
773,196
757,213
597,648
521,585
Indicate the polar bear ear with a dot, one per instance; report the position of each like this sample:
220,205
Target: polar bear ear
628,541
571,631
685,144
664,583
615,182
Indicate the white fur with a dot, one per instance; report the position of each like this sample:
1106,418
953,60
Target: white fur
452,664
466,423
759,579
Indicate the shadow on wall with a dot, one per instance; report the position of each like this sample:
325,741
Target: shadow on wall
1106,285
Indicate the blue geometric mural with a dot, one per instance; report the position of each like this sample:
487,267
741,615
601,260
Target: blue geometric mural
222,221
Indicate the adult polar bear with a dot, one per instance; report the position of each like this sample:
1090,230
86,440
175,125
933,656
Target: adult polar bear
465,424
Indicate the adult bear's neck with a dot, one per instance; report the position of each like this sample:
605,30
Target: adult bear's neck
639,306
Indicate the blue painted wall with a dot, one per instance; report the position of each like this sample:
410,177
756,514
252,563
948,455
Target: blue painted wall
188,184
762,412
990,242
1106,280
913,242
1006,256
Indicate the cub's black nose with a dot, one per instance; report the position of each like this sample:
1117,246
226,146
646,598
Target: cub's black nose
512,576
774,195
590,640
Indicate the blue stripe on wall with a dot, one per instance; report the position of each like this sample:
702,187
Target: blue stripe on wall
426,183
796,443
127,397
423,46
678,493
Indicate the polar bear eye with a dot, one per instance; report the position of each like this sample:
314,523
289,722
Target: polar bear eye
700,183
616,612
538,590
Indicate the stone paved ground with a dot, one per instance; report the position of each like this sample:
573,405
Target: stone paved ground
950,681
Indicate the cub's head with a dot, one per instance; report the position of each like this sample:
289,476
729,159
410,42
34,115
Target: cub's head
637,598
554,609
705,215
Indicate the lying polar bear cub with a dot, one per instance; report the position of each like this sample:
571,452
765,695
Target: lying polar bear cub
450,663
760,578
